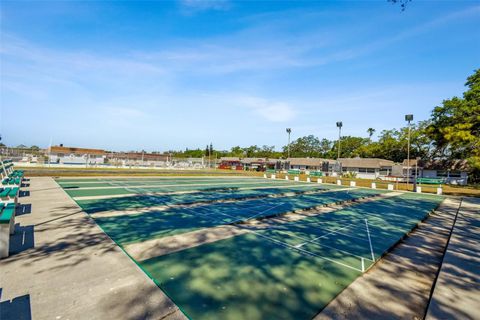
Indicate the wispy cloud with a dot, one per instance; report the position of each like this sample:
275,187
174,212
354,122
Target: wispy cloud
274,111
193,6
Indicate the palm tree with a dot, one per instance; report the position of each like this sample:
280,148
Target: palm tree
370,131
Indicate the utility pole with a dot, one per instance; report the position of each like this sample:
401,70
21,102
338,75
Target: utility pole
289,130
408,118
339,126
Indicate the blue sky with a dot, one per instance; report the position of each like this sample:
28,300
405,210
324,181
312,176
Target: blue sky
160,75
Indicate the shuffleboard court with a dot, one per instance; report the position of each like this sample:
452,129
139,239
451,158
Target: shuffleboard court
288,271
152,181
142,201
173,187
156,224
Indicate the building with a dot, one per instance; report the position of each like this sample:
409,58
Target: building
450,171
75,156
137,159
366,168
311,164
256,164
232,163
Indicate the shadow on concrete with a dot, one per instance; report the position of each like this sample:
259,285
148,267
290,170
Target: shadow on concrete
23,193
16,309
23,209
460,276
23,239
71,241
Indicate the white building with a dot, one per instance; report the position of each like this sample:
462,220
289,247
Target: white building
75,156
367,168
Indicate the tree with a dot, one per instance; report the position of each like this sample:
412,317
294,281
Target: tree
308,146
370,131
455,126
350,145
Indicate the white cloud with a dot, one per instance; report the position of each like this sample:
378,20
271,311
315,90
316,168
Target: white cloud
274,111
192,6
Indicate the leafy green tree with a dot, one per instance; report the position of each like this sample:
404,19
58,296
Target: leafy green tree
455,126
349,146
236,152
308,146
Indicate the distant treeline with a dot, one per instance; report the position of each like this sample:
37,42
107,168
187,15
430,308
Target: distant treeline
451,132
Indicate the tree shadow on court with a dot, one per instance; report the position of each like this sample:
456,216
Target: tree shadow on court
204,197
399,285
246,277
211,281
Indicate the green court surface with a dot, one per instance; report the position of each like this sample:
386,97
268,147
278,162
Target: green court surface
150,181
156,224
142,201
122,188
289,271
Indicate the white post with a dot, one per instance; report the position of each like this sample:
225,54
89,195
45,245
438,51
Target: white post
374,185
319,180
265,175
353,183
339,182
273,176
390,186
286,177
363,264
296,179
308,179
439,190
419,189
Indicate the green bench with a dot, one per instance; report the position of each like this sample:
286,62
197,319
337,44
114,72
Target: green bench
431,180
12,181
316,173
7,227
9,194
294,171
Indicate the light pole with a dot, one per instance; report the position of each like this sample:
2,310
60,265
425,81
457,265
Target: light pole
339,126
408,118
289,130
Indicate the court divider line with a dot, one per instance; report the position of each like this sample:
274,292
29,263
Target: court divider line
369,240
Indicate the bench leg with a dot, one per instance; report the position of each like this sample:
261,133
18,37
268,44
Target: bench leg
4,240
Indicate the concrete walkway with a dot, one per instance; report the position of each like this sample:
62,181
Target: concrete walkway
457,290
65,267
399,285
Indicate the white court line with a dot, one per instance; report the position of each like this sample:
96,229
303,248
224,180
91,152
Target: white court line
289,233
307,252
369,240
323,236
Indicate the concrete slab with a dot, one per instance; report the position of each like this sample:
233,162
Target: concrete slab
64,267
457,291
399,285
